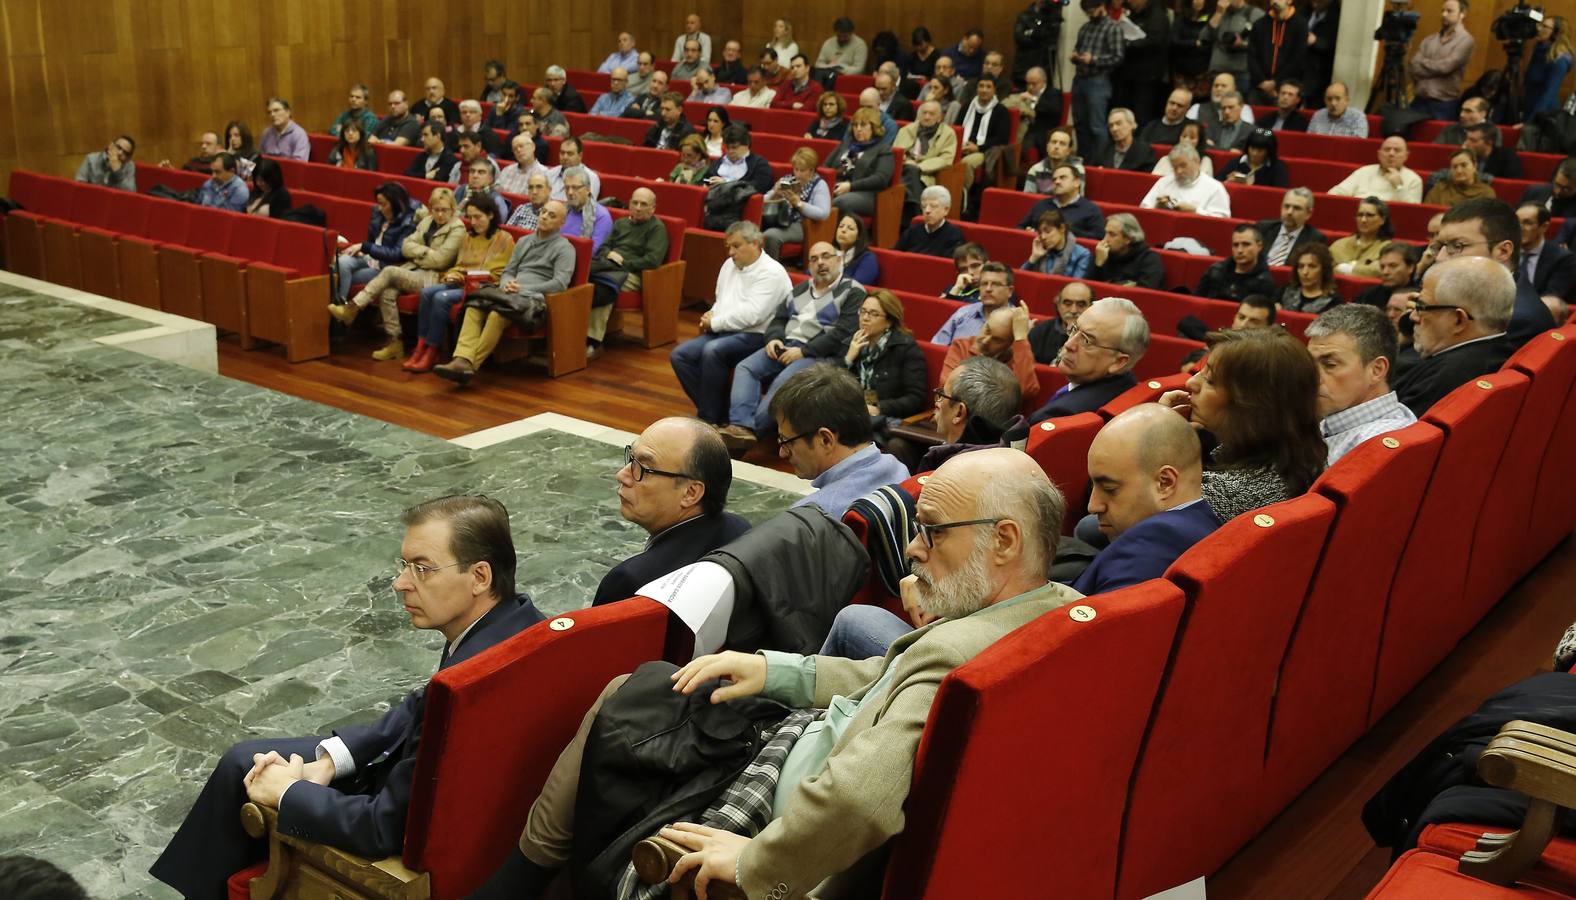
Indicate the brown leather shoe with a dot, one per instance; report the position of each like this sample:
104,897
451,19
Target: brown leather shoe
458,370
737,437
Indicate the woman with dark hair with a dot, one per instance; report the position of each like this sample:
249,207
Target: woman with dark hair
863,163
1192,134
486,248
940,90
888,363
1259,163
883,49
829,124
1358,253
919,63
353,151
391,223
1257,394
853,241
716,120
1312,288
238,141
269,197
1054,251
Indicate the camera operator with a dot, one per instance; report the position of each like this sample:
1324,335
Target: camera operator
1437,65
1229,28
1036,32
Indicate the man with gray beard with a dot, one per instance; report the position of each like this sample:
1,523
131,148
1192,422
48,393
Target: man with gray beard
989,522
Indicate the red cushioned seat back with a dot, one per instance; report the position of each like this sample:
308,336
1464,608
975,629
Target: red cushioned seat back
1549,359
1350,151
1144,392
359,183
1051,380
686,202
34,192
1006,208
1060,675
1164,356
128,213
935,356
649,162
1006,245
925,315
1553,511
91,205
1317,173
605,157
321,178
1410,220
319,146
80,201
1124,187
495,724
1194,794
1326,675
169,220
1061,447
582,259
915,272
1426,614
394,159
301,249
254,238
209,229
175,179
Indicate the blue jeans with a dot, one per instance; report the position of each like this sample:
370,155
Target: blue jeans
353,271
860,632
432,320
1091,105
1443,110
746,406
702,365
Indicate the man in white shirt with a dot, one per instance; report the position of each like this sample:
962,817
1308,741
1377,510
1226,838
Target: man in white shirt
1389,179
755,94
692,31
750,288
1186,189
626,57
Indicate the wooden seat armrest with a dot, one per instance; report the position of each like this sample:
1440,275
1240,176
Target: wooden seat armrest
301,868
1537,761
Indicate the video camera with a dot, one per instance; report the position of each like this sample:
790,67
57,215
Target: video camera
1398,24
1040,25
1518,24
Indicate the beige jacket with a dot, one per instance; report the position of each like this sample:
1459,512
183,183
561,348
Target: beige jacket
942,152
438,251
854,804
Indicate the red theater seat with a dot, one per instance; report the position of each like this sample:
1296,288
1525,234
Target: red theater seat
661,291
1420,875
285,295
1061,447
1144,392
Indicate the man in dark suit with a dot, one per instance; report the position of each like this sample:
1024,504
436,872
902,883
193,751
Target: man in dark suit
1549,268
1288,109
893,103
1458,330
1145,473
1135,155
455,576
1488,227
1559,195
565,97
1500,162
674,484
1098,358
1283,236
671,127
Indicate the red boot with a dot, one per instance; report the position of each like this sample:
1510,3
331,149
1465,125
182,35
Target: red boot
416,354
426,360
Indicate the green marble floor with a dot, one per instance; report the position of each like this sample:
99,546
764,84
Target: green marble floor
187,561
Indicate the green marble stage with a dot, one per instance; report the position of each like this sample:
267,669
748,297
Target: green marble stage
187,561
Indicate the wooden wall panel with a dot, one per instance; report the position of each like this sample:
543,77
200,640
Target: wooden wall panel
1487,52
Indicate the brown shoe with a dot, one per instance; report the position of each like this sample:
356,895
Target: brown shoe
737,437
345,312
458,370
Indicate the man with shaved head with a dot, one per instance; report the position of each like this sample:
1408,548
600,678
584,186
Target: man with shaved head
1145,473
674,484
638,242
989,523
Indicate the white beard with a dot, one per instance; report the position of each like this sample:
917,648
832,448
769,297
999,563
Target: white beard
959,594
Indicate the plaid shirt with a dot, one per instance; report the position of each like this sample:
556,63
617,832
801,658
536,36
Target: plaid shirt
1346,429
1102,39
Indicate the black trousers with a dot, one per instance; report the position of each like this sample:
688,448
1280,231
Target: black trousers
210,845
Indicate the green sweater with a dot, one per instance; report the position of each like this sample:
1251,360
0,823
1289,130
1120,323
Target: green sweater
643,245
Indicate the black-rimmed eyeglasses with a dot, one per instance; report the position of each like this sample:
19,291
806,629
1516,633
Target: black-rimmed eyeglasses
642,470
928,532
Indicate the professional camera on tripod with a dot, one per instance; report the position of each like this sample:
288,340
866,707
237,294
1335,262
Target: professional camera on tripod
1395,32
1036,32
1513,29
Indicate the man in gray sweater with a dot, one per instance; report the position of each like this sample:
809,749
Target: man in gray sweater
111,167
542,263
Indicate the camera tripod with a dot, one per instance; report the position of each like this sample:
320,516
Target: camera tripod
1507,100
1391,86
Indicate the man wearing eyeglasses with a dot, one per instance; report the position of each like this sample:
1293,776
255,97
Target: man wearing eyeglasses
455,575
825,434
111,167
674,484
1098,358
1458,328
1489,227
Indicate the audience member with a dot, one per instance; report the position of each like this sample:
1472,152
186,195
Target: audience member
494,77
1123,257
1145,493
1473,111
844,53
1460,184
738,162
1312,288
1492,160
549,121
225,189
392,221
516,179
800,195
208,147
1490,228
1458,328
640,75
756,94
1255,311
1550,269
692,30
829,123
455,575
618,97
1098,51
986,132
1186,189
268,194
1358,253
1039,109
1054,251
1396,269
1061,149
283,137
884,358
357,112
994,70
773,73
673,484
1257,393
672,127
1144,79
1192,135
431,248
400,127
1389,179
939,90
1287,234
1207,112
751,286
995,292
799,90
1558,196
584,217
732,70
1067,197
863,162
486,248
893,103
1228,131
870,99
692,164
1122,151
1288,110
434,96
471,151
1324,20
1047,336
814,324
352,151
1167,128
638,242
928,147
649,104
238,141
853,242
1243,274
1337,117
825,433
435,162
934,236
1230,27
691,63
1004,337
1355,348
571,153
705,89
968,260
976,407
524,122
1259,163
1109,339
782,44
625,57
542,263
506,110
1436,66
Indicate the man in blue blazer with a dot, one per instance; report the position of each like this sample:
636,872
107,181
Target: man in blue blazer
1144,475
351,790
